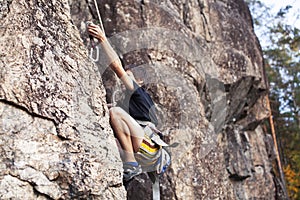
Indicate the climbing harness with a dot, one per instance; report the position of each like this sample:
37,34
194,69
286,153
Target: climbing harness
152,156
153,133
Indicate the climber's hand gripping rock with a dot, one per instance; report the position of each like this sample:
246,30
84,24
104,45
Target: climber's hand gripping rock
96,32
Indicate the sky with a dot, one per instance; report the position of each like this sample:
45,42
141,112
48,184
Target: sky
294,15
292,18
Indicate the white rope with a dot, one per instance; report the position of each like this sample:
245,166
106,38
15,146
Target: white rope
155,189
102,28
99,16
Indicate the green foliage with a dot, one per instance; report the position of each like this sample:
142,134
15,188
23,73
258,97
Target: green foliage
281,45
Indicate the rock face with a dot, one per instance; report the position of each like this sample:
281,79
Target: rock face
56,142
203,67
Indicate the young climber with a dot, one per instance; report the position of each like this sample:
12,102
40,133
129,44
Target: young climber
134,123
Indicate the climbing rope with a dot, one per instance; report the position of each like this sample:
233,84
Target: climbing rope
102,28
99,16
271,121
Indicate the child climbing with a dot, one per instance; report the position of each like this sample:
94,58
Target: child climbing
134,124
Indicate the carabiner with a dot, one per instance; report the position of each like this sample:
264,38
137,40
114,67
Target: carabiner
92,54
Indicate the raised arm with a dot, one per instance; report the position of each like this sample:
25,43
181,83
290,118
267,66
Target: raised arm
115,63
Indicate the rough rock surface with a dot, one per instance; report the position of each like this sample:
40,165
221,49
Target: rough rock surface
56,142
204,71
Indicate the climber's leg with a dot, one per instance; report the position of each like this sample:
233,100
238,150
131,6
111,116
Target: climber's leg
128,132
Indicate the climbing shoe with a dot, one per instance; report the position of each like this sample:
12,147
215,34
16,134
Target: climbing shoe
131,170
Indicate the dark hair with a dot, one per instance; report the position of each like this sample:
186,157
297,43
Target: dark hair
138,71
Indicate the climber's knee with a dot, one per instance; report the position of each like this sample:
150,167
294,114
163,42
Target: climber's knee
115,113
118,121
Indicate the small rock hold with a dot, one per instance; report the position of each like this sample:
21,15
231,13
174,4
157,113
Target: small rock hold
53,175
107,6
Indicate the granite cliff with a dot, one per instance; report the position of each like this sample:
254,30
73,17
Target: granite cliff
204,71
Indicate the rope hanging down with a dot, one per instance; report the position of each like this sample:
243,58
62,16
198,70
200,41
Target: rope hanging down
280,169
99,16
102,28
